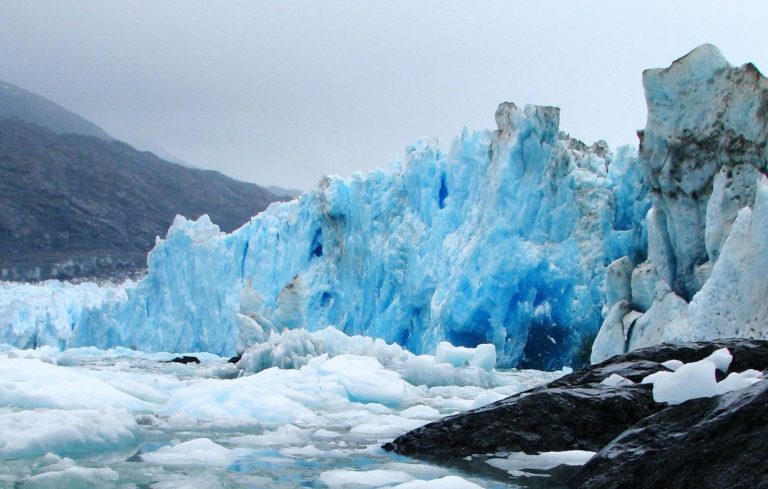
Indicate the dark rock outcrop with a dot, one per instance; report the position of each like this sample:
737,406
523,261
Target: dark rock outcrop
746,353
76,206
185,359
545,418
632,369
717,442
549,419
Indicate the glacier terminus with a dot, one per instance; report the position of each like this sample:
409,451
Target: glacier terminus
504,240
427,302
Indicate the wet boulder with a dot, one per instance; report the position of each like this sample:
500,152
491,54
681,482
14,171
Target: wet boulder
580,411
713,442
540,420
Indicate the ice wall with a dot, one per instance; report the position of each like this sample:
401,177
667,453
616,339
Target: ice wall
33,315
704,155
504,240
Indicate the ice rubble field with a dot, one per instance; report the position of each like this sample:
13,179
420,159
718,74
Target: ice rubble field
85,417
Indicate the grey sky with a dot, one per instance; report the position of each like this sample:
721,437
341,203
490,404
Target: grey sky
284,92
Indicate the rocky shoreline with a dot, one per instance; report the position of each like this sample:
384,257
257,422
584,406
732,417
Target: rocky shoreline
715,442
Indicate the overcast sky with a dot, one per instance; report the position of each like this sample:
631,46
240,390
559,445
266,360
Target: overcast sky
283,92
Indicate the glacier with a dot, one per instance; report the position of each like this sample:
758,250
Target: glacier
523,238
44,314
705,158
375,304
503,240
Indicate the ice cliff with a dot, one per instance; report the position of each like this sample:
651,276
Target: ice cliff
704,156
33,315
503,240
520,237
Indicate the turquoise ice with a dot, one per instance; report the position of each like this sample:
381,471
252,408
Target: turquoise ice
503,240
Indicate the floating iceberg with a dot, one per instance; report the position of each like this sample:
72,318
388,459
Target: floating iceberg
200,451
31,433
137,418
296,348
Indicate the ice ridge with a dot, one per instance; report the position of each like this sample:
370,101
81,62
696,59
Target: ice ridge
704,156
503,240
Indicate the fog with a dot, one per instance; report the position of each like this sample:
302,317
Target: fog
284,92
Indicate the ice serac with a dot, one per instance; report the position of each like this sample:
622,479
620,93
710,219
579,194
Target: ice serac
503,240
704,155
33,315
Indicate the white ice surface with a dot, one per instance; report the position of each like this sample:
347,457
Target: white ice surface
615,380
420,412
739,380
673,365
60,473
178,422
371,478
365,379
31,433
31,383
449,482
482,356
516,463
295,348
200,451
697,379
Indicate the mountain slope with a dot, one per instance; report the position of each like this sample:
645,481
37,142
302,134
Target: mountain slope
73,206
290,192
32,108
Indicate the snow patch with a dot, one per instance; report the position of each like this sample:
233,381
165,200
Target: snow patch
448,482
200,451
697,379
369,478
515,463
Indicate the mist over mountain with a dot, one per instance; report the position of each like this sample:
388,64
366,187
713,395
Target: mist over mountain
74,202
290,192
32,108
